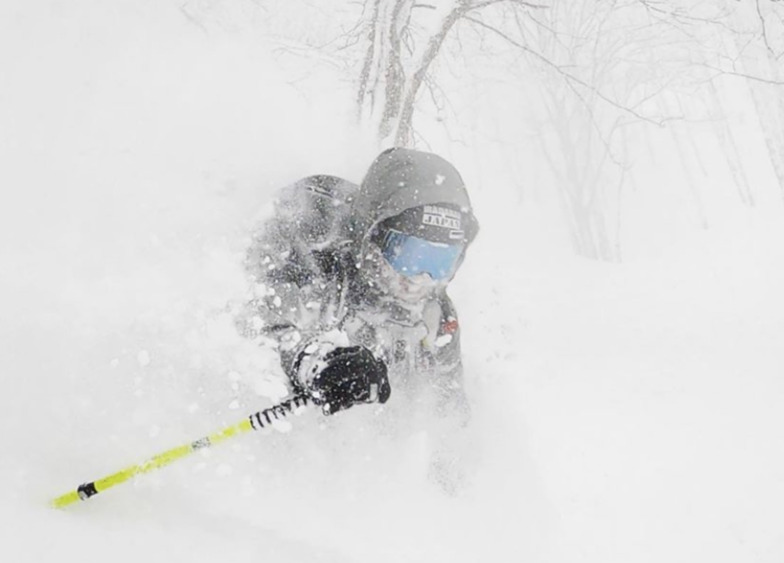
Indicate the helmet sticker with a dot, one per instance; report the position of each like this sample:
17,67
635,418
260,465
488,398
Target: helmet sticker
441,217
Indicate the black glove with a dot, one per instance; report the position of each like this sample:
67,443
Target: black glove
344,377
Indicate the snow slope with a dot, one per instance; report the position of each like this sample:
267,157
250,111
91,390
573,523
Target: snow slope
623,412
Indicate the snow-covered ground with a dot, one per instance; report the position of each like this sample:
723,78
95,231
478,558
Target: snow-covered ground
622,412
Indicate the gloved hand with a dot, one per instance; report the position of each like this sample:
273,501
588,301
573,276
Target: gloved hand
343,377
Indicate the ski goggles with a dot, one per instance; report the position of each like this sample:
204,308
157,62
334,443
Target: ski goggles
410,255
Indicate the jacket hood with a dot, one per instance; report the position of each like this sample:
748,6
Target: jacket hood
400,179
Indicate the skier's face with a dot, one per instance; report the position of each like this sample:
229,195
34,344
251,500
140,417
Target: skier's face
411,289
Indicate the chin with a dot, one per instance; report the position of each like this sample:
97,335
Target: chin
413,290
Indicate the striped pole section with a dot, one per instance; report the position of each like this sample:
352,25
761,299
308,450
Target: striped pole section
256,421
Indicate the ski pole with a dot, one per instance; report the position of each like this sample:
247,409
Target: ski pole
256,421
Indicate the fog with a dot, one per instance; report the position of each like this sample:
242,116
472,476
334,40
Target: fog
621,309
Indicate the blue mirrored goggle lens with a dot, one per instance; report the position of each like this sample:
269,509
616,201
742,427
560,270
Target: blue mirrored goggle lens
410,255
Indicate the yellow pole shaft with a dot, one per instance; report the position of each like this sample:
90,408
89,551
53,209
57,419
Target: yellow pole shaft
253,422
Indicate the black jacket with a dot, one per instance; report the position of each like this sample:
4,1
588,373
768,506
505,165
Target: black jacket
311,284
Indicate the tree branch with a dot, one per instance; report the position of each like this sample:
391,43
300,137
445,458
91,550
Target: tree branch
486,3
764,28
743,75
364,75
568,76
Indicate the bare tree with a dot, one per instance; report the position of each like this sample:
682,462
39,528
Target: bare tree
603,68
758,39
596,69
404,37
597,75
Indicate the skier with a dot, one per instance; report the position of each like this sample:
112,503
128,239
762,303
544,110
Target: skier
350,280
